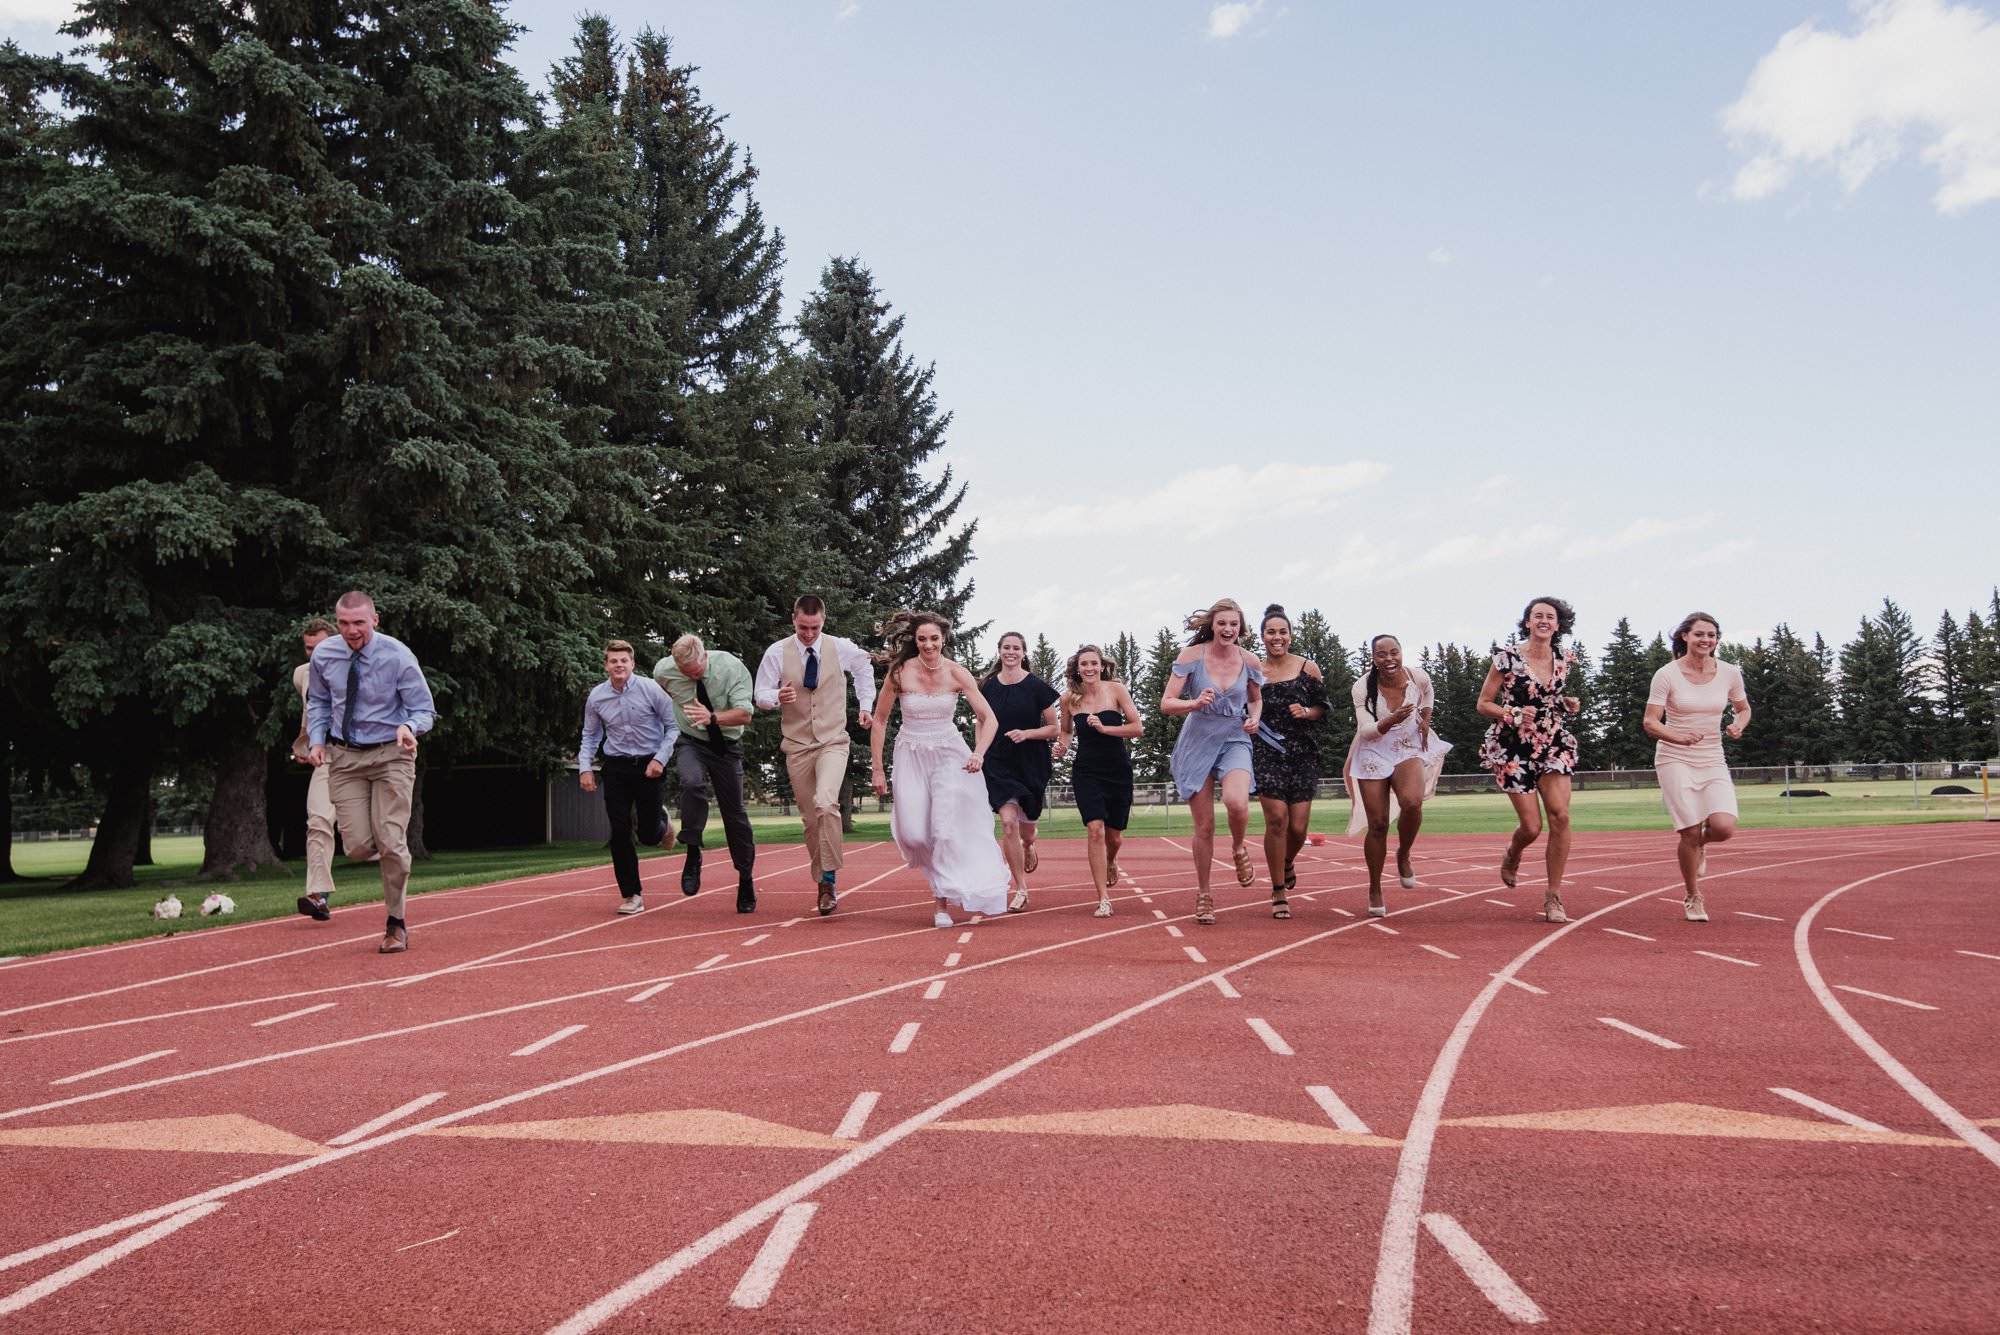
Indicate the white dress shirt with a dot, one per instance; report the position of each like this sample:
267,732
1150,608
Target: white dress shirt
835,655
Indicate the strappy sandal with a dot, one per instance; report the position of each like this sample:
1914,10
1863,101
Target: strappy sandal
1030,859
1552,909
1204,909
1103,907
1280,908
1510,866
1111,871
1019,904
827,901
1246,871
1406,879
1291,877
1696,910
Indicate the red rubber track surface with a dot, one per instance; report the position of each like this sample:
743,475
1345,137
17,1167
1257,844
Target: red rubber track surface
1084,1130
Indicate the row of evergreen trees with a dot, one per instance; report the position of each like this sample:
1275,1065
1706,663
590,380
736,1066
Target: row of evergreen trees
1886,695
302,297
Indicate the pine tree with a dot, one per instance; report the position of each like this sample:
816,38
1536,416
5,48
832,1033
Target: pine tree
1982,678
1883,675
1129,658
1623,681
1152,751
1314,639
1456,677
1042,660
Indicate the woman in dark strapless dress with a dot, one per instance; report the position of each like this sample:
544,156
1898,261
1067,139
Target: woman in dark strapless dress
1099,712
1287,754
1018,764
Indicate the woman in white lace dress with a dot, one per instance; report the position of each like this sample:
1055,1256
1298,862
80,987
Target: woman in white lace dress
940,821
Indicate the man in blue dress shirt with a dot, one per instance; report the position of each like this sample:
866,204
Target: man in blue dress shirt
366,704
634,719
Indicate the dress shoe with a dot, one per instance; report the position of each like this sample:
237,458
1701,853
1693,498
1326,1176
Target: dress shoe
746,895
394,942
691,872
315,907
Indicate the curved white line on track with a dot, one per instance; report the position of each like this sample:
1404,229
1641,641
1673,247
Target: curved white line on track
1961,1126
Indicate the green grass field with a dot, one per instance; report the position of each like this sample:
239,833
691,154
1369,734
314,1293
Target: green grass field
37,916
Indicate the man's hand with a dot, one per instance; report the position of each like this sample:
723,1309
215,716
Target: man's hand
317,756
865,718
787,693
699,715
406,741
654,769
587,781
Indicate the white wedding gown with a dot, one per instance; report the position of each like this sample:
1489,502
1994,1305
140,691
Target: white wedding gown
940,820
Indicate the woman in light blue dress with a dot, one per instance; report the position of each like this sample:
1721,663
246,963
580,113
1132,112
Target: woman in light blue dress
1217,688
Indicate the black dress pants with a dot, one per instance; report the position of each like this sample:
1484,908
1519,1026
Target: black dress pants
628,793
704,767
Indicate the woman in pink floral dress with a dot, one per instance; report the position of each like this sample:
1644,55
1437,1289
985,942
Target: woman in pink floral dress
1529,747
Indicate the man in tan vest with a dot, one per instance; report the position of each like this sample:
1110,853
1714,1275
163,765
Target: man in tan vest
801,677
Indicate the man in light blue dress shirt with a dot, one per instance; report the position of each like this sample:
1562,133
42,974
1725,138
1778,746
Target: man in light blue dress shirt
634,720
366,704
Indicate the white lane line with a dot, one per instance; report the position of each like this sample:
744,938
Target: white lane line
1637,1032
1501,902
1762,917
1979,955
558,1036
1222,986
934,991
1143,899
951,960
754,1289
1270,1037
1619,931
374,1124
1872,936
97,1260
905,1036
649,993
1160,913
965,938
762,936
442,1237
115,1066
1345,913
1438,950
1827,1109
1195,955
791,922
293,1015
857,1115
1498,1286
1525,987
1729,959
1341,1115
1384,927
711,962
1173,930
1884,996
1609,890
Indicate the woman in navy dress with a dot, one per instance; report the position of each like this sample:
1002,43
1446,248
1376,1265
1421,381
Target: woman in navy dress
1018,763
1216,688
1098,711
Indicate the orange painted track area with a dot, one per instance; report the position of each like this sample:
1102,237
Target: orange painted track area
1458,1118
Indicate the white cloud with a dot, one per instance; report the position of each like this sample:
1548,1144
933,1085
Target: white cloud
1722,553
1508,544
1497,483
848,9
51,12
1228,20
1200,503
1922,74
1635,534
1440,257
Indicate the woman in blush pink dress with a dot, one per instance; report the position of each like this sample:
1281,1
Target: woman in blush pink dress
1684,712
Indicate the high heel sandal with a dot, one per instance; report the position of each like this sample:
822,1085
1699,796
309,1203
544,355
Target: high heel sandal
1111,872
1019,904
1030,859
1378,910
1246,871
1552,908
1280,906
1407,879
1696,910
1510,866
1204,909
1103,905
1291,877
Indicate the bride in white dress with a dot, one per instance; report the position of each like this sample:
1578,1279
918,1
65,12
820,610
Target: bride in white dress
940,820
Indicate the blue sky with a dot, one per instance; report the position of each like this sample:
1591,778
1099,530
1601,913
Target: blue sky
1409,312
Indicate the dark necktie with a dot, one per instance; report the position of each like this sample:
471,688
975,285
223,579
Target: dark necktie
353,690
701,694
812,669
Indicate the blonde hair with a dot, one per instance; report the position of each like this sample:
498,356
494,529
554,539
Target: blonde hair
688,649
1203,623
1075,674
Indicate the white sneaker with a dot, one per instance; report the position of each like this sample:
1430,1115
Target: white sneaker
631,904
942,919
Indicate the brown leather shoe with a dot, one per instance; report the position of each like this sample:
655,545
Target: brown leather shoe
394,942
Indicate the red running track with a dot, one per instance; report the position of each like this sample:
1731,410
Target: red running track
546,1117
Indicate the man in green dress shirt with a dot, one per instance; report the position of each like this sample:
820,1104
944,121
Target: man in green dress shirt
711,694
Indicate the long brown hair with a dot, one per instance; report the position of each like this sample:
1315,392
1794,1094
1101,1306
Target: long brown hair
1203,623
1680,636
1075,677
994,671
899,635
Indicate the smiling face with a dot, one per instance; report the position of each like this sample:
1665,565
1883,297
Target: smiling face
1277,637
1543,623
1089,667
1227,625
1702,637
807,626
618,667
357,624
1388,657
930,645
1013,649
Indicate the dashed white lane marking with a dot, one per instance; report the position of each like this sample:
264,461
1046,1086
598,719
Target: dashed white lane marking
442,1237
1828,1110
293,1015
1384,927
569,1031
1270,1037
1619,931
763,936
951,960
1729,959
711,962
374,1124
1872,936
1438,950
754,1289
649,993
1195,955
1345,913
965,938
1160,914
1979,955
1637,1032
1763,917
1173,930
97,1260
934,991
115,1066
791,922
1609,890
1501,902
1143,899
1222,986
857,1115
1525,987
904,1037
1342,1116
1884,996
1498,1286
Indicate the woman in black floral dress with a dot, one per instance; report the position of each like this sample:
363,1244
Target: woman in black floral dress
1286,758
1529,747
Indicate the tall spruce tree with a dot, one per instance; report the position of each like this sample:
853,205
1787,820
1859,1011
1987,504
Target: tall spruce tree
1456,676
1883,674
1314,638
1153,750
